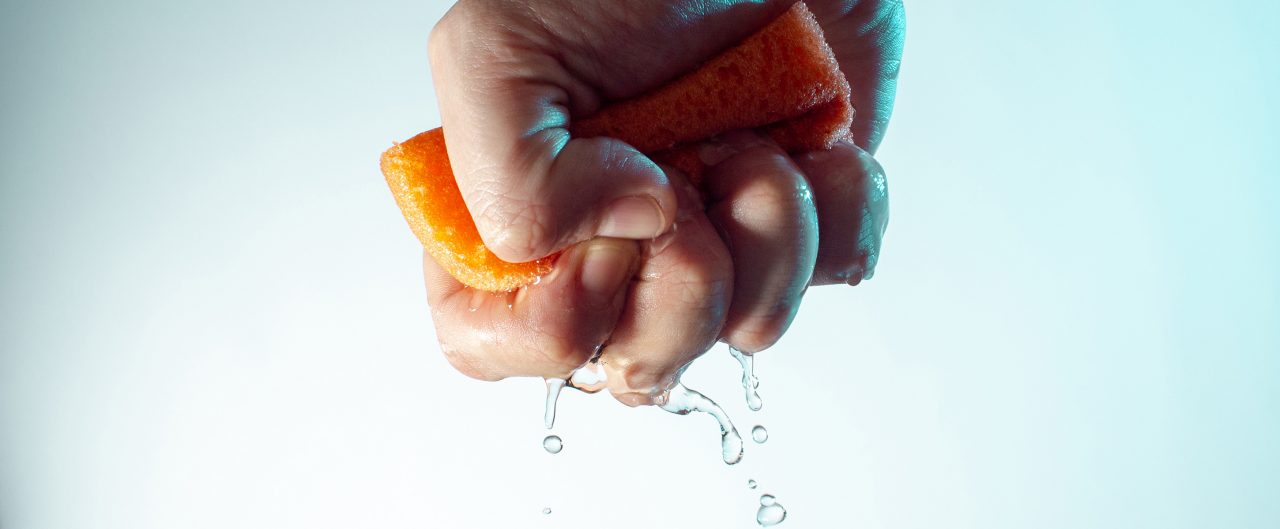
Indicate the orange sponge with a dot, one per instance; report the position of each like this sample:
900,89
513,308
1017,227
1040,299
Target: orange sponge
783,80
421,179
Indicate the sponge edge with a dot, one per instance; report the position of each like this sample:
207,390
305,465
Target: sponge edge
784,80
421,179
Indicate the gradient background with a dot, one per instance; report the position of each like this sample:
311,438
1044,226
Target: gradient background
212,313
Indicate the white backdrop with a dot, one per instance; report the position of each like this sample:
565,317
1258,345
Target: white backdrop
212,312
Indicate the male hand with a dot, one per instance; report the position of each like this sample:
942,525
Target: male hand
648,268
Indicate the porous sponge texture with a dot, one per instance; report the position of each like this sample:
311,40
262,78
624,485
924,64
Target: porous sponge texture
421,179
783,80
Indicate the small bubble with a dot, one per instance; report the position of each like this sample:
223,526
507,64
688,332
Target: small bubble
546,510
553,444
759,434
751,483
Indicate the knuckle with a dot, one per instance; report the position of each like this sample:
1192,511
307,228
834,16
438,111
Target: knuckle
753,340
777,193
759,332
441,37
622,158
701,292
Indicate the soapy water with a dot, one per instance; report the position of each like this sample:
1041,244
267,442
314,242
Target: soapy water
771,512
682,401
750,383
759,434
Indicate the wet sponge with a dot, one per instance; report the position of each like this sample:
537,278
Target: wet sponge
421,179
783,81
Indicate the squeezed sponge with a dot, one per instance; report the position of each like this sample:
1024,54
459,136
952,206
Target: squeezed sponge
783,80
421,179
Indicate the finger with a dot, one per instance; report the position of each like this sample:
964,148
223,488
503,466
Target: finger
867,37
546,329
852,199
508,81
530,188
674,313
764,210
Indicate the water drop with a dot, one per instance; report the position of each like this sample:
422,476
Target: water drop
553,444
759,434
771,512
554,385
681,400
590,377
749,380
751,483
546,510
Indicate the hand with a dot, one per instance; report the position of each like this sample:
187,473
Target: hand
510,76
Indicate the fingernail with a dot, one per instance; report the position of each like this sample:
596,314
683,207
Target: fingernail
635,217
604,269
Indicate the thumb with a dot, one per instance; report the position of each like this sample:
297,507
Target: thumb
509,80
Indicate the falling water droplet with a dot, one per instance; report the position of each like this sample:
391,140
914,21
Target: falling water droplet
554,385
749,381
751,483
771,512
759,434
681,400
546,510
553,444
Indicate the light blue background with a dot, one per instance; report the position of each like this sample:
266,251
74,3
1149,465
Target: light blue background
212,315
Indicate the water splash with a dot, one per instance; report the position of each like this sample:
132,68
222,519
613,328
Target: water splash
749,381
546,510
681,400
751,483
